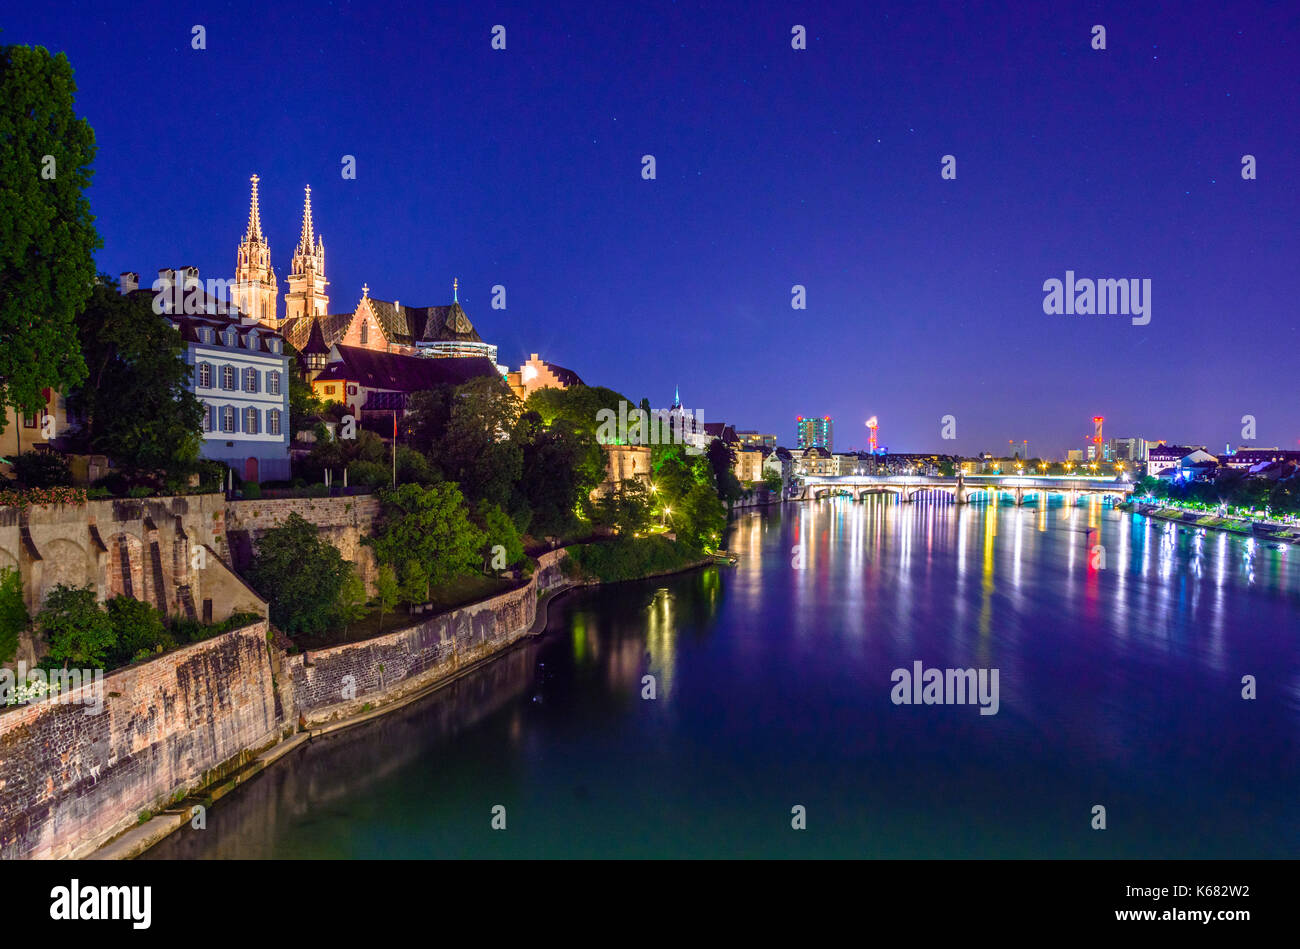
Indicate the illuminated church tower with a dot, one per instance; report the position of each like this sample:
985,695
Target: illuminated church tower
255,288
306,296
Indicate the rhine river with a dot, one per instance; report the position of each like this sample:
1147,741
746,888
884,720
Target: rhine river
1119,685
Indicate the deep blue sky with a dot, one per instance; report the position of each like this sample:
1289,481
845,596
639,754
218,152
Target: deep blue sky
775,167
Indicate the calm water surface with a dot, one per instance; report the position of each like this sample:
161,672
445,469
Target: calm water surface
1118,686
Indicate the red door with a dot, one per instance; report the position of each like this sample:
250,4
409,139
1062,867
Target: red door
250,469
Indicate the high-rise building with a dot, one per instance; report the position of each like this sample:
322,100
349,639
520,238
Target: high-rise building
815,432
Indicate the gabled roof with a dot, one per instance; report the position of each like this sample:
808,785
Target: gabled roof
400,373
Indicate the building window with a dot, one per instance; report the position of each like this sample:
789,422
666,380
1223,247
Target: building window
250,421
329,390
227,377
273,422
273,383
365,332
205,376
228,419
207,418
250,380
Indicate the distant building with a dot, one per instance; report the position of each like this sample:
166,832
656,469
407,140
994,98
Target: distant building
623,463
1246,458
815,432
1176,457
1128,449
537,374
1074,454
749,464
780,462
814,461
753,439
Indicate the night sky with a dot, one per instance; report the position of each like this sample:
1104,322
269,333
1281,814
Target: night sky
775,167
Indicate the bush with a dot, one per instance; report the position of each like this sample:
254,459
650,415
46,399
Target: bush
140,491
317,490
42,469
251,491
369,474
13,612
630,558
138,628
114,482
78,632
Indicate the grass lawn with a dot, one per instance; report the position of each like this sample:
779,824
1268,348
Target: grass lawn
448,596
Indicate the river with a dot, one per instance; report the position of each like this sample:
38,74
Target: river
1120,685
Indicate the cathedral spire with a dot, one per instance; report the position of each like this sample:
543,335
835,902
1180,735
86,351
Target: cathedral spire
455,290
307,241
254,216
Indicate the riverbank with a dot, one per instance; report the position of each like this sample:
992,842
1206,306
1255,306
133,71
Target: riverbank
1243,527
326,673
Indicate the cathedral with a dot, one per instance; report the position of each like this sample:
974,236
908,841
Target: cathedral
374,324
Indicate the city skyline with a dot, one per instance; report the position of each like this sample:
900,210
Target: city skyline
924,296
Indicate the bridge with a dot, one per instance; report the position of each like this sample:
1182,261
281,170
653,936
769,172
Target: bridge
963,487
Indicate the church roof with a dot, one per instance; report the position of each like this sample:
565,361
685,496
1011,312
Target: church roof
448,324
401,373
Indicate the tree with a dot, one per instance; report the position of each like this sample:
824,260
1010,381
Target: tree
431,526
303,403
136,405
386,592
478,450
773,481
13,612
723,459
47,233
352,598
77,631
626,509
561,465
414,585
498,531
137,627
300,575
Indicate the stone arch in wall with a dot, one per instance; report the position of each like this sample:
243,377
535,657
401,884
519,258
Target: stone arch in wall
125,566
65,561
8,559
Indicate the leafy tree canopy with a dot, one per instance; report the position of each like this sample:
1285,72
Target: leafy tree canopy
47,233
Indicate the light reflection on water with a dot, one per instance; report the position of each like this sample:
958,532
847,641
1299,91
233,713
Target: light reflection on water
1120,684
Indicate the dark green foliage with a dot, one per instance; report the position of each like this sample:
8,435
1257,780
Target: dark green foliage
630,558
136,405
430,526
138,630
77,631
47,233
300,575
13,612
42,469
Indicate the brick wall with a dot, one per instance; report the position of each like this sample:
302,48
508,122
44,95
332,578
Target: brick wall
69,781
